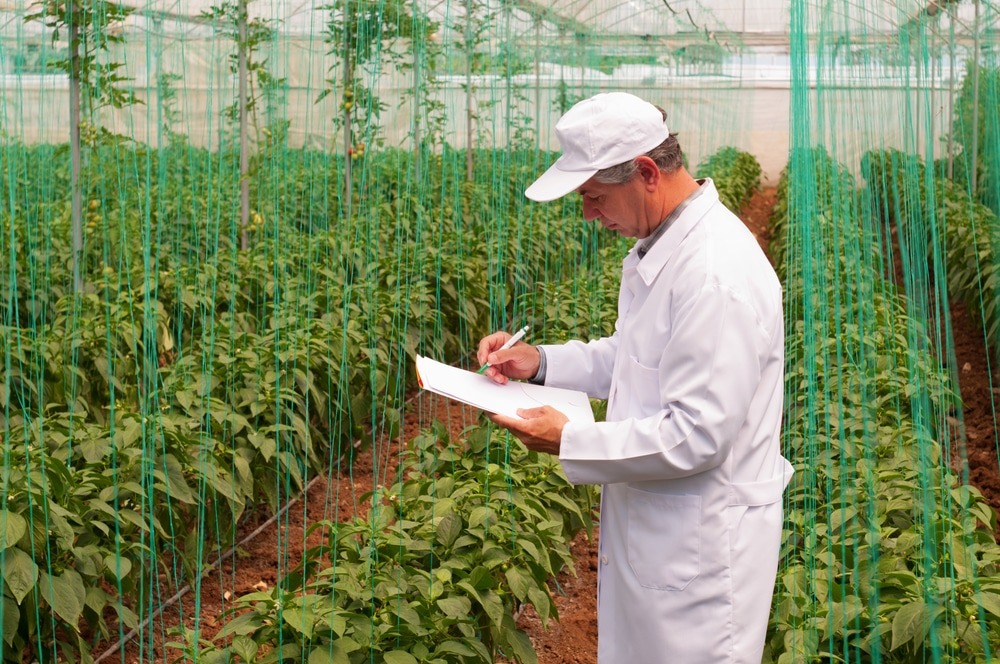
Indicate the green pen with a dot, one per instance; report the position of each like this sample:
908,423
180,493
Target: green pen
510,342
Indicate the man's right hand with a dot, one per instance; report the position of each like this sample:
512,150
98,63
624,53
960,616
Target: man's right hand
520,361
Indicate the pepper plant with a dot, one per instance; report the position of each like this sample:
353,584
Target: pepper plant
472,531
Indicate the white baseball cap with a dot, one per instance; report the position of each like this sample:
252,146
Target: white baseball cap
597,133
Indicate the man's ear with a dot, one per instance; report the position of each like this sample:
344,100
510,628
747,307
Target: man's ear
648,171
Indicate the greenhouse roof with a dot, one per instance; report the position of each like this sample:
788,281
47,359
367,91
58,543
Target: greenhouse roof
721,21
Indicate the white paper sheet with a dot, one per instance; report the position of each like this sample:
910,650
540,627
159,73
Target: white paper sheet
479,391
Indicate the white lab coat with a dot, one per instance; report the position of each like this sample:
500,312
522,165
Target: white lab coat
689,455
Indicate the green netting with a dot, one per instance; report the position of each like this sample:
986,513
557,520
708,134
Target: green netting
227,229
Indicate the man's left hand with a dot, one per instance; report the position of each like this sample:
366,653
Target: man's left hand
540,430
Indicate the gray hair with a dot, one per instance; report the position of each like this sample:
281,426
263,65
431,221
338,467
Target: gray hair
667,156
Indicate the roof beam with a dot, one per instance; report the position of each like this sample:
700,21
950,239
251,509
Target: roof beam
544,13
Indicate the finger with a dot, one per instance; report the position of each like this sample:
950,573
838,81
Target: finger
495,375
486,346
505,421
501,356
490,343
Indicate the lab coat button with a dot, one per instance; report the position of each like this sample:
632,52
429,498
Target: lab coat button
604,560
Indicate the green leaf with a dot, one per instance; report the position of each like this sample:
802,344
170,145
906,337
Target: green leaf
539,598
120,566
245,647
301,620
11,619
66,594
20,572
187,399
94,448
493,606
478,516
909,623
12,528
336,622
399,657
520,582
131,487
245,624
223,483
540,557
407,614
244,474
455,606
214,657
989,601
449,528
177,486
984,513
127,436
264,443
134,518
840,517
126,615
455,648
521,648
329,654
287,652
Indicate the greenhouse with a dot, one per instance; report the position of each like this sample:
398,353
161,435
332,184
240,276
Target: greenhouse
230,228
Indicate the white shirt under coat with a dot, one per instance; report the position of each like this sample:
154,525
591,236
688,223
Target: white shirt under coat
689,455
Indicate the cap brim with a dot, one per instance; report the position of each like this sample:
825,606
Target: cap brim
556,183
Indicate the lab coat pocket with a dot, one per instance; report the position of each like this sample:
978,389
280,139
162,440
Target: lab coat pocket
664,539
638,389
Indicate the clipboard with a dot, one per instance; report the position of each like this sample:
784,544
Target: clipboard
477,390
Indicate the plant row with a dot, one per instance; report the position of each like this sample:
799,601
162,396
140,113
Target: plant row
887,557
192,380
469,534
956,235
972,158
736,175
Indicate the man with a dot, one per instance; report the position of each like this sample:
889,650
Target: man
689,456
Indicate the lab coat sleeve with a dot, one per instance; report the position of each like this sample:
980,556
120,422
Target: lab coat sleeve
704,382
592,365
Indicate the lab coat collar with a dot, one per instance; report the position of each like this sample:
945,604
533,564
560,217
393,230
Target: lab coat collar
659,254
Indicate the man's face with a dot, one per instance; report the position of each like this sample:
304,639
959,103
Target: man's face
617,206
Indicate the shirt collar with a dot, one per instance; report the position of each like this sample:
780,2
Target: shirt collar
647,243
659,255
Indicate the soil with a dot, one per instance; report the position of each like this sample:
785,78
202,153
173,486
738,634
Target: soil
976,453
974,445
573,639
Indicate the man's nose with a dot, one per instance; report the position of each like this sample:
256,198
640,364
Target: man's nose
590,211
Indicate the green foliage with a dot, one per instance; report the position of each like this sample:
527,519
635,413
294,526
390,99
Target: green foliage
886,558
361,33
975,126
99,78
249,37
75,528
470,533
211,381
908,194
736,175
